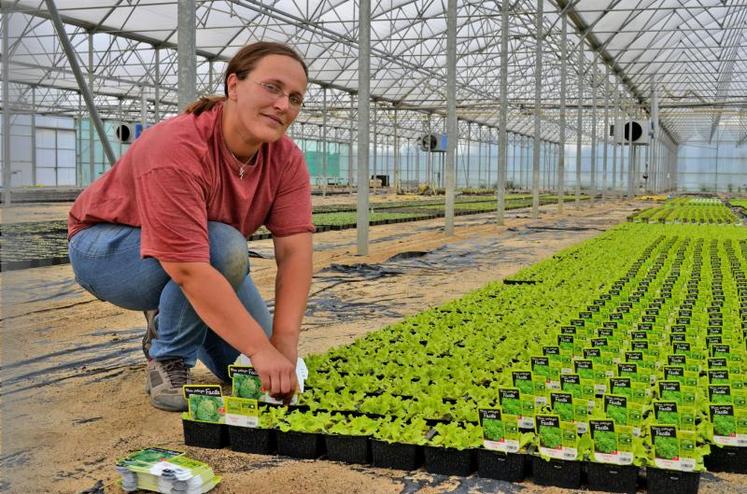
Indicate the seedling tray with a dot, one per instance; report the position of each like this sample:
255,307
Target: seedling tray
302,445
251,440
671,482
348,449
611,478
449,461
510,467
397,456
558,473
205,434
727,459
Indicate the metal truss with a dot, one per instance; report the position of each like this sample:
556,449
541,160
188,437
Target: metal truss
697,49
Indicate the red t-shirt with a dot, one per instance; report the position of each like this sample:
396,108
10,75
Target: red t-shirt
179,174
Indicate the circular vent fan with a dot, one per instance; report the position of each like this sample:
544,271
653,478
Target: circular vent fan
633,128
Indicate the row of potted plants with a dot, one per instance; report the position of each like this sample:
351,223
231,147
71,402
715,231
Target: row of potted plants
688,210
423,382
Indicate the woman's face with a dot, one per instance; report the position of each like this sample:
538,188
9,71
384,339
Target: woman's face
268,99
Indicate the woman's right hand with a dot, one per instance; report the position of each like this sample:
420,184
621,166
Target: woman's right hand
277,373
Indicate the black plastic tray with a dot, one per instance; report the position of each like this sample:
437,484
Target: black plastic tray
205,434
671,482
501,466
558,473
450,461
302,445
250,440
611,478
349,449
727,459
396,456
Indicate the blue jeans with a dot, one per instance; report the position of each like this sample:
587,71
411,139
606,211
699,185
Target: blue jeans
106,262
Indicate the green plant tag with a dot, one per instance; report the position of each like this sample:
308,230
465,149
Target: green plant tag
245,382
727,429
668,453
720,394
500,432
666,413
556,439
205,403
611,446
616,408
242,412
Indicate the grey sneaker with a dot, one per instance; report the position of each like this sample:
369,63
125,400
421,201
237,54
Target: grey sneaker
164,380
151,331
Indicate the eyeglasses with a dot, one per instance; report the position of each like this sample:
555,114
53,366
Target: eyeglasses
295,99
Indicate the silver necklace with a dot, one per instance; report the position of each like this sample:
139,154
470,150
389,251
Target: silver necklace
244,164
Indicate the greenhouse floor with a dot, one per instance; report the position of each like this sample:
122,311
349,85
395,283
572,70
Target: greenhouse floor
73,371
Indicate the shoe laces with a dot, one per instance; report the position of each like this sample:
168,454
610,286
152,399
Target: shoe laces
176,370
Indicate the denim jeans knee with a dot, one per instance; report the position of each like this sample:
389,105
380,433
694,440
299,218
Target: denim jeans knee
228,252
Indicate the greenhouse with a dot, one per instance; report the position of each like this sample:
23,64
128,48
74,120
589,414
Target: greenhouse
381,247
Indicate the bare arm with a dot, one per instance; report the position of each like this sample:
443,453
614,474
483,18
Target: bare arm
216,303
293,255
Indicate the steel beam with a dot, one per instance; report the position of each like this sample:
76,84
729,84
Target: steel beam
579,119
503,119
186,55
364,94
537,111
75,66
7,108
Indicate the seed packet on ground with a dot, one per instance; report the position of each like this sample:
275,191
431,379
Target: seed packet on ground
165,471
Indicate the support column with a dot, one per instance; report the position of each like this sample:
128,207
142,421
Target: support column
537,111
593,188
451,122
324,141
606,128
579,119
654,144
157,87
396,154
631,157
186,57
503,118
375,141
469,145
350,143
364,87
563,90
7,109
616,123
